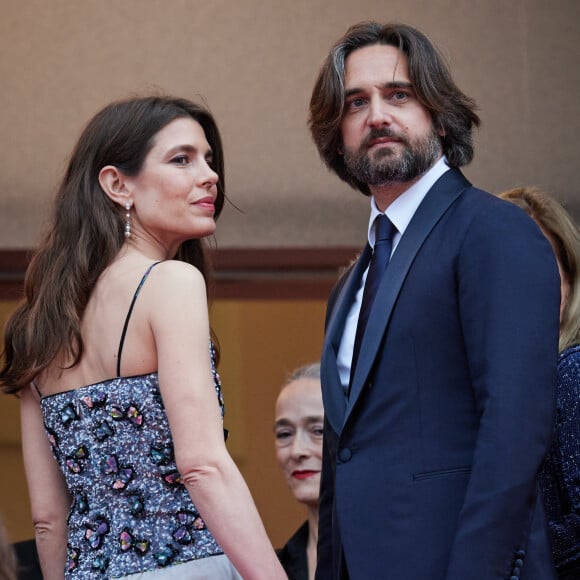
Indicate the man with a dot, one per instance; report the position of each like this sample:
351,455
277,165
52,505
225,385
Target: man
439,398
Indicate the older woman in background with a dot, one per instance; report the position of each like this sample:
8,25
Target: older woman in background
298,429
560,475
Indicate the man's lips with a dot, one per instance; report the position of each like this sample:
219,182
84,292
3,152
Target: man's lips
382,141
304,474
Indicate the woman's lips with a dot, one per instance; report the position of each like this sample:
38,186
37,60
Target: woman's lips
306,474
206,203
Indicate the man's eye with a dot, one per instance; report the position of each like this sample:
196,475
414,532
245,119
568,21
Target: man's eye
400,96
355,104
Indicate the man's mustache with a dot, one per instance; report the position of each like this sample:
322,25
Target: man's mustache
384,132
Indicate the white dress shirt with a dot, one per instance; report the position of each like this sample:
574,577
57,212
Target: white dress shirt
400,213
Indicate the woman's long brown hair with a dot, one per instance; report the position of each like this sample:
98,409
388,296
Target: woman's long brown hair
87,232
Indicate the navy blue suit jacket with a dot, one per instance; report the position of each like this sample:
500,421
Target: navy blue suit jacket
429,468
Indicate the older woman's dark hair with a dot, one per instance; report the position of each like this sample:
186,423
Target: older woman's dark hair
87,232
451,110
564,236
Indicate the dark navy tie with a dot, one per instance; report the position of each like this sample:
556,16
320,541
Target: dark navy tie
384,233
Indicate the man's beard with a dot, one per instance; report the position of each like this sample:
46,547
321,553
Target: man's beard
386,166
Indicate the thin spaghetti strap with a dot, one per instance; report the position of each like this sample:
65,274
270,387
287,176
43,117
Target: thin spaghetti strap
37,389
125,326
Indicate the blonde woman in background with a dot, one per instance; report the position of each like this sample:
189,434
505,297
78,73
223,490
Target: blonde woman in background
560,475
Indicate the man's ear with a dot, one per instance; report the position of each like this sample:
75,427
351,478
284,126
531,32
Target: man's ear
113,183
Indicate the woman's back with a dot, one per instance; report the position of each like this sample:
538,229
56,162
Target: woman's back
102,327
112,441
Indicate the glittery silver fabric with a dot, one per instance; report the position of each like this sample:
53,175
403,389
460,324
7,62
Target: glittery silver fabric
560,475
130,512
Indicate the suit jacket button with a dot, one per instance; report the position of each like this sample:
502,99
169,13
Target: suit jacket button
520,553
345,454
519,563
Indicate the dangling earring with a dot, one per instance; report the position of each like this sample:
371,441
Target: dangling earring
128,220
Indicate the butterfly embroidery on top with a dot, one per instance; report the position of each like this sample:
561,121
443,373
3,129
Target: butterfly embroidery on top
164,556
81,503
100,564
188,523
172,477
127,542
72,561
96,534
122,474
161,455
76,461
53,440
136,504
132,414
68,414
103,431
99,399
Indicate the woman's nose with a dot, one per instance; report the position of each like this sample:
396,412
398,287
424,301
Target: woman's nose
300,446
209,177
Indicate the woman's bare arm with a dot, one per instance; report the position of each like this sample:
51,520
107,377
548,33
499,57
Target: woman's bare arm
181,329
49,499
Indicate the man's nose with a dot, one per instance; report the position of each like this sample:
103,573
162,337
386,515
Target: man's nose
379,113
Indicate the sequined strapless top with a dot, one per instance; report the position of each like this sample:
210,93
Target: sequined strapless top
130,510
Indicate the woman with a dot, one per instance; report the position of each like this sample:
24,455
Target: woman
298,430
109,355
560,475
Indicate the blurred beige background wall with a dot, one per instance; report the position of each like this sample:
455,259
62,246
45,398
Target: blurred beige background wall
254,62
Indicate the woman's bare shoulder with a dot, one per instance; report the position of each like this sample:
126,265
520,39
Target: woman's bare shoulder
173,271
176,285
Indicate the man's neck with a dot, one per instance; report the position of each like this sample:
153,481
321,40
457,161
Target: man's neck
386,194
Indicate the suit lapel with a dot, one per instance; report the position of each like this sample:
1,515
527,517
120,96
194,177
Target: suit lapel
332,393
436,202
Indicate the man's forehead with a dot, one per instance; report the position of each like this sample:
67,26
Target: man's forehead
376,63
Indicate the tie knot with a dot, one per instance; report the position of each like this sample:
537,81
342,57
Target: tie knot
384,229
